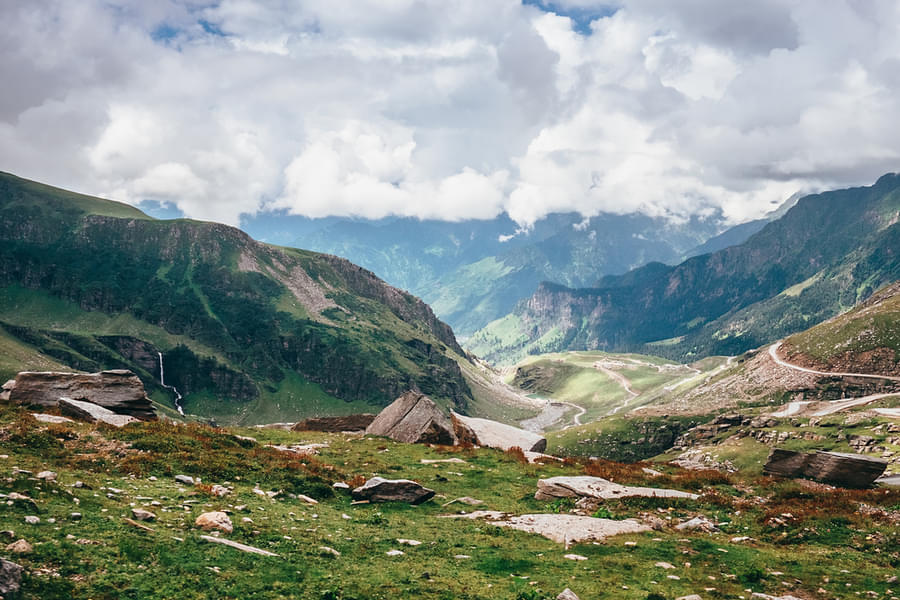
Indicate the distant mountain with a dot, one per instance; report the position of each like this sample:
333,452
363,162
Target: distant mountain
473,272
247,331
827,253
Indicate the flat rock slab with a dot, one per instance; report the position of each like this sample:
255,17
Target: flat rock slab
571,529
413,418
491,434
119,391
335,424
378,489
54,419
597,487
93,413
834,468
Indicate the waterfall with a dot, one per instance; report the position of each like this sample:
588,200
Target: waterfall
162,382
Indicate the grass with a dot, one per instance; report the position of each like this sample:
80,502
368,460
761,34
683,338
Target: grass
101,556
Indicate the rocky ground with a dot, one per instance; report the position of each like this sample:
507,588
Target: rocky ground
155,510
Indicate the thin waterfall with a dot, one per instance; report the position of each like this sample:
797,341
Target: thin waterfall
162,382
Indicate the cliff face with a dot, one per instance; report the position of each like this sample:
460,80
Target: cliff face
231,316
828,252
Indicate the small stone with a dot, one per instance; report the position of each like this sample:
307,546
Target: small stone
219,490
78,484
664,565
152,478
19,547
329,550
394,552
32,520
47,475
575,557
689,597
185,479
461,556
408,542
142,515
567,594
673,577
75,516
340,485
246,520
214,520
307,499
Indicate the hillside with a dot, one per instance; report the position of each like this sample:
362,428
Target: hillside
247,331
475,271
827,253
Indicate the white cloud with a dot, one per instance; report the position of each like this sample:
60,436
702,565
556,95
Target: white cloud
459,109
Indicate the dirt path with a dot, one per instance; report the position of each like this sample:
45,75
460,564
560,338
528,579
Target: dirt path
773,352
618,378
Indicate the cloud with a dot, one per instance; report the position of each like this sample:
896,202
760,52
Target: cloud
451,110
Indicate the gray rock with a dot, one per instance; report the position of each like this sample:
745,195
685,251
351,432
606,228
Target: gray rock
835,468
567,594
335,424
378,489
44,418
185,479
92,413
491,434
32,520
571,529
597,487
413,418
10,577
47,475
701,523
119,391
142,515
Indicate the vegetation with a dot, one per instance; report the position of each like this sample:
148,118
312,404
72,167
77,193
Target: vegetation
844,542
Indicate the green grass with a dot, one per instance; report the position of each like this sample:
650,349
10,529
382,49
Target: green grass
100,556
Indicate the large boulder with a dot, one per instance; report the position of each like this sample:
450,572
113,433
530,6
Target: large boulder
835,468
491,434
413,418
379,489
335,424
10,577
92,413
119,391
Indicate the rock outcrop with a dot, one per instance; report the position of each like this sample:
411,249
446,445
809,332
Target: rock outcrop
92,413
413,418
119,391
835,468
335,424
491,434
378,489
599,488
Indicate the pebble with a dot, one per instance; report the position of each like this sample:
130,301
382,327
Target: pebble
32,520
47,475
395,553
664,565
575,557
408,542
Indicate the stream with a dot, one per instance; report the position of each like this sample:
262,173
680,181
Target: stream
162,382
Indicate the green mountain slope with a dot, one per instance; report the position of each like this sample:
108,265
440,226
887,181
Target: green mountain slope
248,331
828,252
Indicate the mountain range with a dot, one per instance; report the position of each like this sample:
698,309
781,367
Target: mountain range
827,253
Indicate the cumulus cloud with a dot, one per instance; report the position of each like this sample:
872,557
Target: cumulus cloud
451,110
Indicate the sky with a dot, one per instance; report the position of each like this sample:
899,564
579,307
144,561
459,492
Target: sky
451,109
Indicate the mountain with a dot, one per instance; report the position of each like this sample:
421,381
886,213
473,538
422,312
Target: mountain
828,252
473,272
246,331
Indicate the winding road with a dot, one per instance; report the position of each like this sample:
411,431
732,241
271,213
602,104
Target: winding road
832,406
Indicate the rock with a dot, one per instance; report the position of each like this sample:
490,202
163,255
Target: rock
597,487
93,413
10,577
219,490
186,480
413,418
137,525
433,461
571,529
394,552
299,449
75,516
54,419
335,424
567,594
834,468
406,542
491,434
118,391
575,557
664,565
307,499
340,485
214,520
378,489
759,596
329,550
689,597
17,497
20,547
47,475
142,515
32,520
237,546
701,523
